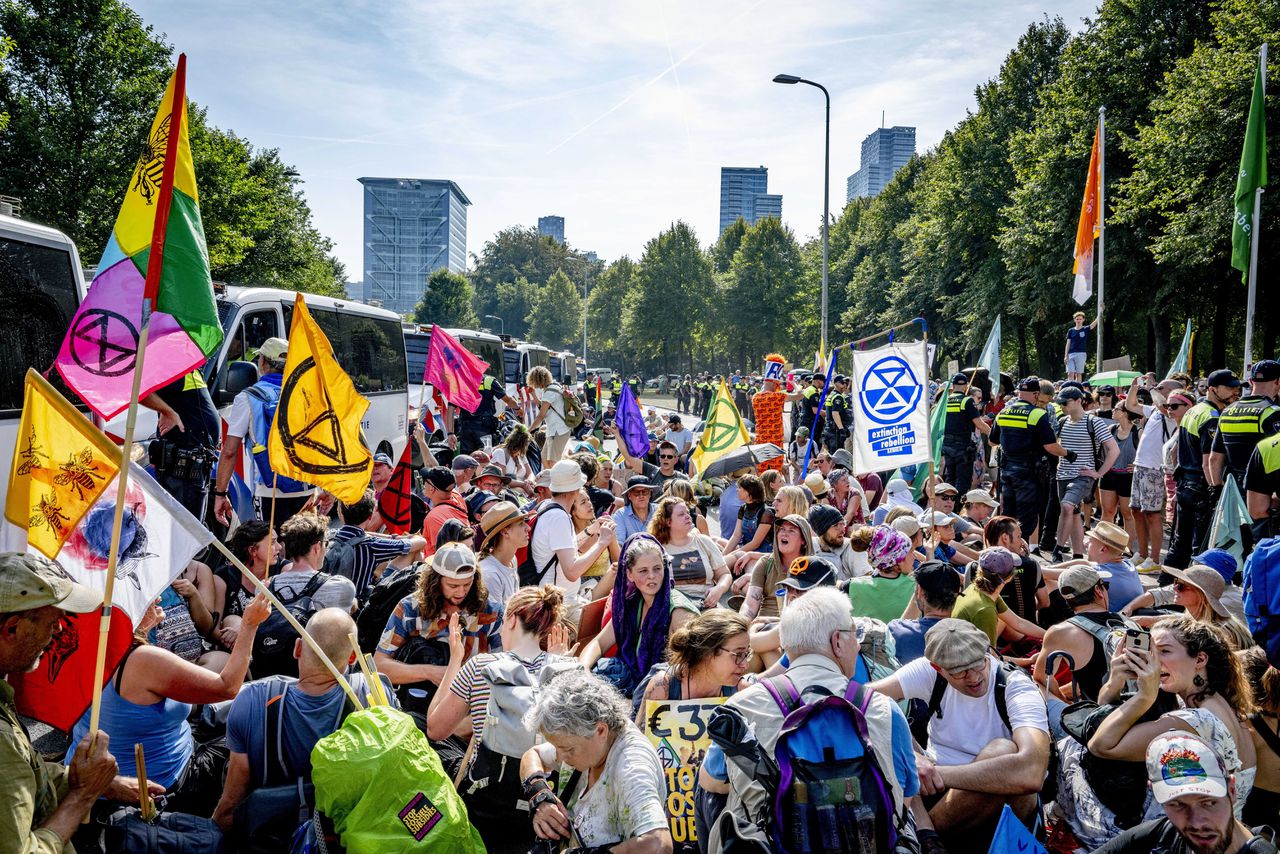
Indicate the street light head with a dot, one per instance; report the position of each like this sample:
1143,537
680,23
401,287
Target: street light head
786,78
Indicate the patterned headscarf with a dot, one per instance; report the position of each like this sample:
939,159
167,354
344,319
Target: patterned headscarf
888,548
625,604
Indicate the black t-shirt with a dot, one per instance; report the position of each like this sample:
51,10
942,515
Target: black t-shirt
658,479
195,407
1020,593
1161,837
601,499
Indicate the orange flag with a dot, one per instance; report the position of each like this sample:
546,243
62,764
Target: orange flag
1087,230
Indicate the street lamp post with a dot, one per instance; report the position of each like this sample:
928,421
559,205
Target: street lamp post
502,324
791,79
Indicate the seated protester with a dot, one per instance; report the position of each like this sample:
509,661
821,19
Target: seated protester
414,649
731,501
981,605
491,788
148,700
616,791
510,457
706,657
644,608
937,586
816,485
792,539
303,538
942,499
605,479
897,493
586,524
804,574
1263,804
909,527
601,499
370,554
1084,636
980,756
1199,590
753,531
258,549
820,640
683,489
940,530
503,532
979,507
440,486
830,529
560,555
1220,561
1190,781
795,450
493,480
464,468
697,566
886,593
188,605
1105,546
1194,661
633,517
478,501
308,709
665,454
846,496
1026,592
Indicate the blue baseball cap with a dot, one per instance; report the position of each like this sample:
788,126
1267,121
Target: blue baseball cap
1220,561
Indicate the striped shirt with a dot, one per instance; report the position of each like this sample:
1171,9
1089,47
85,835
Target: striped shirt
472,688
369,553
1079,436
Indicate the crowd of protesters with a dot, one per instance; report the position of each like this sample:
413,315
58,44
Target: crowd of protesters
1045,625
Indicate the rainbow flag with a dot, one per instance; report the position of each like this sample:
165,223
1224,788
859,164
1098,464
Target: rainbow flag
156,251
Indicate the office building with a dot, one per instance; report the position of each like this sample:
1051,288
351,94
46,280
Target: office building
553,227
412,227
744,192
884,152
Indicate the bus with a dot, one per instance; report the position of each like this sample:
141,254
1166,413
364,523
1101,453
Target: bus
564,368
41,285
518,358
417,343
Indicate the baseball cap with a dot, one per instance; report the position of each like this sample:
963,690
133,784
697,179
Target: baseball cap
980,496
1075,580
822,517
936,519
998,560
440,477
1069,393
637,481
960,379
954,645
1265,371
463,462
1182,763
29,581
1218,559
937,580
808,572
1223,376
945,488
1029,384
454,560
908,526
274,349
385,459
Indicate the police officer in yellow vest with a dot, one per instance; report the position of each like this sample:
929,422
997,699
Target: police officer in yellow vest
1246,422
958,448
836,414
1262,488
1196,497
615,389
471,427
189,432
740,387
1024,432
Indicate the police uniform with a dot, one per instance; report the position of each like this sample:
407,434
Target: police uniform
833,438
958,449
615,389
472,427
1194,500
1241,426
811,413
1263,476
740,387
1021,430
184,459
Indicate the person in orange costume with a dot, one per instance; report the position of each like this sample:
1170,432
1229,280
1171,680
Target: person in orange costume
767,405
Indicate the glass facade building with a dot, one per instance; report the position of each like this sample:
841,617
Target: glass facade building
412,227
553,227
744,192
884,152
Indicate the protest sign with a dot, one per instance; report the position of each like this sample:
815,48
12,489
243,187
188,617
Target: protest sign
890,408
678,731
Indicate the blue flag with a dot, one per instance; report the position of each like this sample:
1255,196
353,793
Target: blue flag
630,424
1012,836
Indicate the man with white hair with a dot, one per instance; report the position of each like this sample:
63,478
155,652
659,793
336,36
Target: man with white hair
818,635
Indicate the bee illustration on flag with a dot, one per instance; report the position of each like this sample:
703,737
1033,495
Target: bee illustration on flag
80,473
149,172
32,456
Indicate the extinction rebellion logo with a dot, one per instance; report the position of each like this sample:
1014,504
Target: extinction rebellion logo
889,394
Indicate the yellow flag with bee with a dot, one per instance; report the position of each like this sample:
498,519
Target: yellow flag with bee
61,465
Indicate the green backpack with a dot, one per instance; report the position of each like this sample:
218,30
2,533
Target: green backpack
383,787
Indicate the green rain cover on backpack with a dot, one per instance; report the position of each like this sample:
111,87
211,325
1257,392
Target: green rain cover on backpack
382,785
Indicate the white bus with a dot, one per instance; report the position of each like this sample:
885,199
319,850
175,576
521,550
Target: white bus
564,368
41,285
520,357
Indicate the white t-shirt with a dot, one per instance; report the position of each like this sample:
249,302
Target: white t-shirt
966,724
627,800
239,424
554,422
552,532
499,579
517,467
682,439
694,565
1156,430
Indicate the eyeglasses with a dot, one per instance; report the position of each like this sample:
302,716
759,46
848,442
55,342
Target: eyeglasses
666,456
1177,406
738,657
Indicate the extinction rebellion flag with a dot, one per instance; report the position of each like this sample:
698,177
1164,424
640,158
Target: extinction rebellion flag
890,418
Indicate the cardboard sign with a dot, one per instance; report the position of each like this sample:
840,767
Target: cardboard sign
678,731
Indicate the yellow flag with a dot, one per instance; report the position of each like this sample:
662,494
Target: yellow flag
61,465
316,434
722,432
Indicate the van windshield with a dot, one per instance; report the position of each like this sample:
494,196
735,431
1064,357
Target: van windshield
37,284
370,349
511,360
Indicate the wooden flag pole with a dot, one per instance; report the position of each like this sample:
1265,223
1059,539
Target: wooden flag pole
145,803
375,696
271,524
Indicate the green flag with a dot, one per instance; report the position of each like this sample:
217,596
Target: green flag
937,427
1228,518
1253,174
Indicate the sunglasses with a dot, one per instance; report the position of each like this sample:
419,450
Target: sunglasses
1177,406
1184,587
666,456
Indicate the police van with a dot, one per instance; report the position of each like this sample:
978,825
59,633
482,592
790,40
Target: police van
518,358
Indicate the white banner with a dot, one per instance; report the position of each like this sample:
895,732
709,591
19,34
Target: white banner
890,414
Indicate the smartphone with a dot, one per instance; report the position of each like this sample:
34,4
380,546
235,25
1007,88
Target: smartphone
1138,639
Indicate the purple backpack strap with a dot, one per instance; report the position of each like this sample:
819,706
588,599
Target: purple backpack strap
773,686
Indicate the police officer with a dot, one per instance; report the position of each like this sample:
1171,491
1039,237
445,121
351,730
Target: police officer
1024,432
1262,487
1246,422
186,450
1196,499
470,428
958,449
589,389
704,396
740,389
837,414
615,389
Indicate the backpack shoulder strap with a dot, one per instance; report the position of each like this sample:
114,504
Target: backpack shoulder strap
1265,732
1002,708
784,693
275,767
259,393
1100,632
317,581
935,697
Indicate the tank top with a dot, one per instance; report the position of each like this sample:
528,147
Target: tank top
1090,678
1128,451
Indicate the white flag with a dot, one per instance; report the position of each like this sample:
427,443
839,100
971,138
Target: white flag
890,418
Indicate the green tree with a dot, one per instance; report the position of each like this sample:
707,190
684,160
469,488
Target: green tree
556,316
762,297
605,306
446,301
726,246
515,253
670,306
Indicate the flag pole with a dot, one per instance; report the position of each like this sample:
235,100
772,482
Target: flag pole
155,264
1253,247
1102,221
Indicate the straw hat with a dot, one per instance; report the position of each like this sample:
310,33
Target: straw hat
1112,535
497,518
1208,582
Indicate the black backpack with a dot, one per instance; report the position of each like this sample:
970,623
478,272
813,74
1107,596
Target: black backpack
340,558
273,644
383,598
530,574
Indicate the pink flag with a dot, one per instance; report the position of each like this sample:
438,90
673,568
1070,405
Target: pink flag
101,348
454,370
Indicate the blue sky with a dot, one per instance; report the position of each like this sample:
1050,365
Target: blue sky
614,115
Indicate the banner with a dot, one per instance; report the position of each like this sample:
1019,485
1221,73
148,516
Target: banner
1252,175
890,418
990,358
454,370
1012,836
395,504
677,729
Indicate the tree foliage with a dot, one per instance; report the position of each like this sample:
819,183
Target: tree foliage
519,254
446,300
555,318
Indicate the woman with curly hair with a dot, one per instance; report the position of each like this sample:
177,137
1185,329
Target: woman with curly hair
1194,661
698,569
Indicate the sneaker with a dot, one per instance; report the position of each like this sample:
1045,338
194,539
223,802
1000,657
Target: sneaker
1058,556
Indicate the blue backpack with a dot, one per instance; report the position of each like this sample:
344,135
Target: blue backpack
1262,597
832,794
264,396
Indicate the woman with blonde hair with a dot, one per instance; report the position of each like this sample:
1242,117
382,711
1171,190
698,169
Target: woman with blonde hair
586,522
1199,589
697,567
683,489
772,482
512,457
550,396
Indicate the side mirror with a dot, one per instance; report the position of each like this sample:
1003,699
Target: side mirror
235,378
